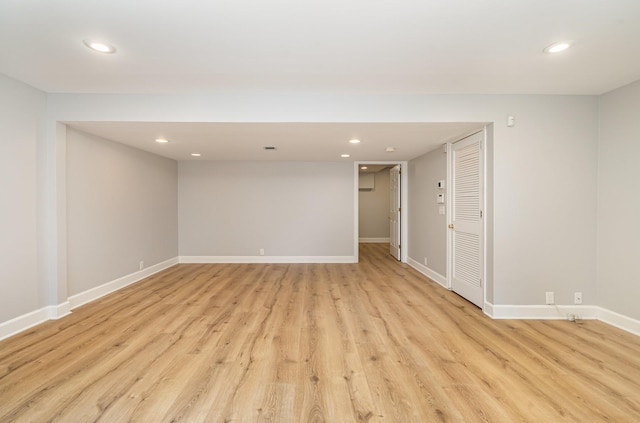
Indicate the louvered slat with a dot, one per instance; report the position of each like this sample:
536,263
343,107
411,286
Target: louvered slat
467,201
467,266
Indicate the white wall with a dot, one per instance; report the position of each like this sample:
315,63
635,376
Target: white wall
544,200
619,201
286,208
22,110
373,208
546,176
122,208
428,228
544,197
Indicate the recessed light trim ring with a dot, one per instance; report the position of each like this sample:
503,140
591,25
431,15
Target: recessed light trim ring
99,46
558,47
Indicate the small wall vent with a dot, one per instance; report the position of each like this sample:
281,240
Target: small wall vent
366,182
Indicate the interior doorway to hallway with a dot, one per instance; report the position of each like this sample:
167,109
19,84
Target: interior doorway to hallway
380,211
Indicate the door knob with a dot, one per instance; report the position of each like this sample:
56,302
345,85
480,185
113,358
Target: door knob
451,226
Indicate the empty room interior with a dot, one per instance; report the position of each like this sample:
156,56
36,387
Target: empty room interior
284,211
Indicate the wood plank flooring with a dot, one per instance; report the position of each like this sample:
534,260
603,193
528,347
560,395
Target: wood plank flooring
368,342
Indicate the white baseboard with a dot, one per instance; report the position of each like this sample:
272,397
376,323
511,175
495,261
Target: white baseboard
374,240
430,273
539,312
267,259
34,318
560,312
54,312
24,322
488,309
58,311
109,287
619,320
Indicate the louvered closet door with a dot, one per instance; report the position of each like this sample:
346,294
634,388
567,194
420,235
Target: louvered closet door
466,226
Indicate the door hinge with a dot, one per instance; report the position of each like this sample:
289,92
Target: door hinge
480,214
399,208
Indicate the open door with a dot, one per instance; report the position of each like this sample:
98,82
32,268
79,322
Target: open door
394,212
467,233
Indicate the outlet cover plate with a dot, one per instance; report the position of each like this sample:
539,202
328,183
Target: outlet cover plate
577,298
549,297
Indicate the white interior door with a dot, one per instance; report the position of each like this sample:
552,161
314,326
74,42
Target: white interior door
394,212
467,252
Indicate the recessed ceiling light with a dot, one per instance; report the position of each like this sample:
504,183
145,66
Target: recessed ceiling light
354,141
161,140
344,155
558,47
390,149
100,46
363,168
196,154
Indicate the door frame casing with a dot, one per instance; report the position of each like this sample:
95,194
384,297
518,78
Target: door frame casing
395,221
404,190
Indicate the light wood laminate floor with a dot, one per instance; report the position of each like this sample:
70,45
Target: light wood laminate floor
368,342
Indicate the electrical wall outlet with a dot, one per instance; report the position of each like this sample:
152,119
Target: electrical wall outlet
577,297
141,265
549,297
426,263
262,251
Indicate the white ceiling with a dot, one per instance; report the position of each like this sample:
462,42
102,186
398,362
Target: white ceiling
293,141
304,46
401,46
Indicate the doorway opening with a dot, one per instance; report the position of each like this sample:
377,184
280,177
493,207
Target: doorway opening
381,205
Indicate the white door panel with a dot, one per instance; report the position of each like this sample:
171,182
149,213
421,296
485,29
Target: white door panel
466,219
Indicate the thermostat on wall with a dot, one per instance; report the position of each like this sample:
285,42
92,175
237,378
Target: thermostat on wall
441,198
440,184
